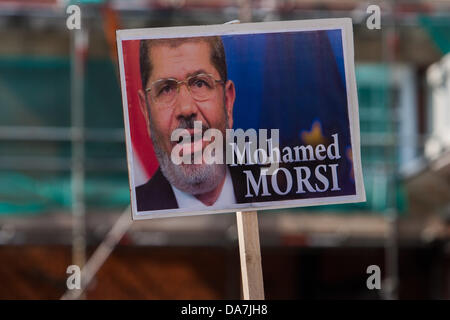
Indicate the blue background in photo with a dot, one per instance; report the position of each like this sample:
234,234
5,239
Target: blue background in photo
290,81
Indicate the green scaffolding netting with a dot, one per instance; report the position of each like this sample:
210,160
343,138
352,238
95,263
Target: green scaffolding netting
438,28
36,92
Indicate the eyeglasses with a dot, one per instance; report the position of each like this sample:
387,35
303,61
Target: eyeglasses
165,91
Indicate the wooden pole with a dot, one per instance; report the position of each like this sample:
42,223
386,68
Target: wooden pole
248,234
250,255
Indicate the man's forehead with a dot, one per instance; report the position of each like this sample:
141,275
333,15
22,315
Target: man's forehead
183,58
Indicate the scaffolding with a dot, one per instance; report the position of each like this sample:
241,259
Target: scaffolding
385,132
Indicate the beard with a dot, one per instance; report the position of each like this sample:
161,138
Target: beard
192,178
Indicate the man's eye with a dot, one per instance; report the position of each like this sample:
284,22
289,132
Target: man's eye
199,83
167,89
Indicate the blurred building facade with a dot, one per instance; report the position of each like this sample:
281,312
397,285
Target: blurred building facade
320,252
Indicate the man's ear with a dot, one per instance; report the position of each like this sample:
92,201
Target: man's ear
144,109
230,96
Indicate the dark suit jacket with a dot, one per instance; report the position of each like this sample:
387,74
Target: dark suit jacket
157,194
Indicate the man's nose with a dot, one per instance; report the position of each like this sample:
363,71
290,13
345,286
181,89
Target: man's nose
185,104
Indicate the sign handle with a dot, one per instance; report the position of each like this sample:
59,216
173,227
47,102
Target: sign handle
250,255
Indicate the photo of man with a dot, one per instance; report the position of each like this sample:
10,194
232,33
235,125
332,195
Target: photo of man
185,80
270,108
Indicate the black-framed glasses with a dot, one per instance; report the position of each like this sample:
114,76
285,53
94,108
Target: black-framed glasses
165,91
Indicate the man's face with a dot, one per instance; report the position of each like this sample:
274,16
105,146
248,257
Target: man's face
181,62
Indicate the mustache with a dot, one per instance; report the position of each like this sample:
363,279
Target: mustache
188,123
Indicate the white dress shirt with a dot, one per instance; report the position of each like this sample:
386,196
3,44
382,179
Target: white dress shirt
188,201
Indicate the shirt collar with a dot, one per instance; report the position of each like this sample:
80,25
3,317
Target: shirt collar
226,197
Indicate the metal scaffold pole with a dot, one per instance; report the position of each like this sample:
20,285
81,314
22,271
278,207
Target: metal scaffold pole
79,44
391,283
101,254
